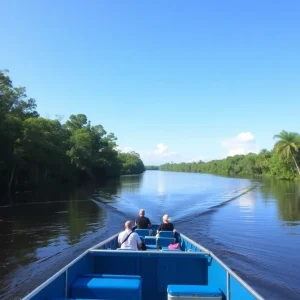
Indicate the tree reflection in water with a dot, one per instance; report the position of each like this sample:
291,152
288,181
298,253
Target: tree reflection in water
287,195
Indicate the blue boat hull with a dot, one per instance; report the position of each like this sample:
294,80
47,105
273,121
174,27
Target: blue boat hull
104,273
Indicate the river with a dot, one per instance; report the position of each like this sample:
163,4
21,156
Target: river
252,225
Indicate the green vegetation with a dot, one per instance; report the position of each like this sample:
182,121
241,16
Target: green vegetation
152,167
36,151
131,163
282,162
288,145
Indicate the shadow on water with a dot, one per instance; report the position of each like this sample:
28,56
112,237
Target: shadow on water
48,194
113,188
32,233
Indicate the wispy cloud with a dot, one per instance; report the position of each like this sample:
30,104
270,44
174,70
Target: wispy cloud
162,149
243,143
161,154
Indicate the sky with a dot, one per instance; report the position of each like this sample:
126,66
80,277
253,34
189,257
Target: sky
173,80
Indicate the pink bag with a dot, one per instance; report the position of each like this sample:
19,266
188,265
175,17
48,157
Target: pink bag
174,246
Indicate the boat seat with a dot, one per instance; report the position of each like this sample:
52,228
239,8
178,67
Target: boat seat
127,249
106,286
142,232
201,292
154,242
165,241
150,240
169,234
118,276
74,299
151,247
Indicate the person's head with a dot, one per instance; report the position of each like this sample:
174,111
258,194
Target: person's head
142,212
166,218
128,225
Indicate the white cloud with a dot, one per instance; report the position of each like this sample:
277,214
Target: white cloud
159,155
245,136
243,143
163,150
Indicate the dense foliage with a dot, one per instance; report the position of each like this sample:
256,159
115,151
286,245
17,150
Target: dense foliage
152,167
131,163
282,162
36,151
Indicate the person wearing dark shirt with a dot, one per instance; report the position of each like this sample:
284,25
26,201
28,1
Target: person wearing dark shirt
166,225
143,222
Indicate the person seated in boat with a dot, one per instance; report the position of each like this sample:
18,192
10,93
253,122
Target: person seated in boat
129,239
166,225
143,222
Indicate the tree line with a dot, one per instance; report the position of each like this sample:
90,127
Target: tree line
281,162
36,150
151,167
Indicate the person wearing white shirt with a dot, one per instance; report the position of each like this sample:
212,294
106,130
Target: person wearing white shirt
128,239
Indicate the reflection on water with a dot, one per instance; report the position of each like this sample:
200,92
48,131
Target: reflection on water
287,195
35,232
130,184
247,203
167,192
255,232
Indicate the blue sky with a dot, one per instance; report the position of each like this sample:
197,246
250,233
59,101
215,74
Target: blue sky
174,80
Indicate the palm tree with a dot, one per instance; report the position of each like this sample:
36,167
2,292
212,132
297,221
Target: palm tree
288,145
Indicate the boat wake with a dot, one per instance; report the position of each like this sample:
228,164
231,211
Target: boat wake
179,206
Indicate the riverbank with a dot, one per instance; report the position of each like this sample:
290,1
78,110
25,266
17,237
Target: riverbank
264,164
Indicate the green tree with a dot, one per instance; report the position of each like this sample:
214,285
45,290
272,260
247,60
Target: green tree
76,122
44,148
151,167
91,149
37,151
15,108
288,145
262,162
131,163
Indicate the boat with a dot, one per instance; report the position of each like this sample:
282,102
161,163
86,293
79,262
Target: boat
190,272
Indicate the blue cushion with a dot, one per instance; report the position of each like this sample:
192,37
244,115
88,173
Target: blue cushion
142,232
111,287
165,241
73,299
127,249
166,234
195,290
151,247
119,276
150,240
